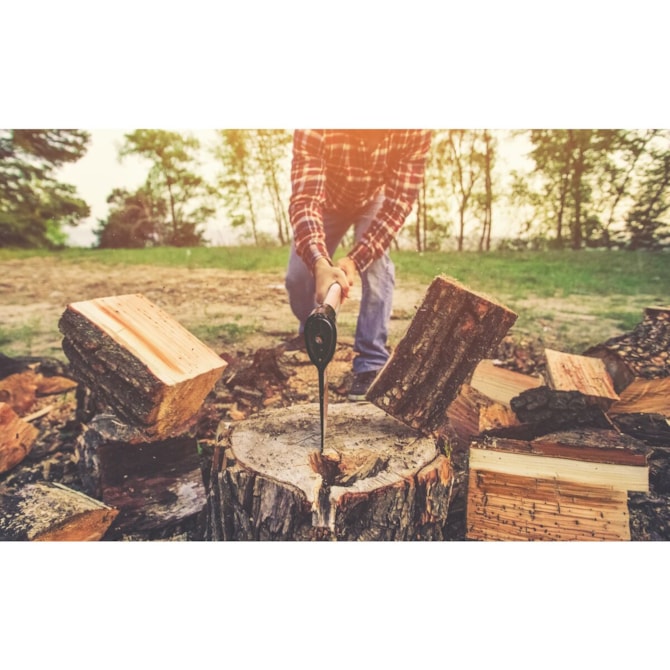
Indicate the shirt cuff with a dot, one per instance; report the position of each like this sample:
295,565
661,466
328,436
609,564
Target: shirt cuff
361,256
312,254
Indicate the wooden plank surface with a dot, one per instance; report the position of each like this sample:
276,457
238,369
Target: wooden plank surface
501,384
168,349
621,477
589,376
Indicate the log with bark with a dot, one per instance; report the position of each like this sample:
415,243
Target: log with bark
543,410
156,485
389,482
643,352
147,367
453,329
565,486
586,375
49,511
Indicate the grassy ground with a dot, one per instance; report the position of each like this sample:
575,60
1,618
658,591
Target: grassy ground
569,300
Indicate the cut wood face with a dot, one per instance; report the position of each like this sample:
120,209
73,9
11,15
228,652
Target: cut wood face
170,351
278,444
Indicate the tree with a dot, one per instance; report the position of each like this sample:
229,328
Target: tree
272,146
467,163
34,206
172,177
236,179
647,222
136,220
432,211
568,163
252,168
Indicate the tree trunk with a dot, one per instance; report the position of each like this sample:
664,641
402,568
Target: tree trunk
643,352
390,483
452,330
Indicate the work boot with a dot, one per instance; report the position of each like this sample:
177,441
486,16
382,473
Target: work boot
296,343
361,384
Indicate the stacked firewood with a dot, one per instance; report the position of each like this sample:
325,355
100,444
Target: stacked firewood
580,452
33,422
141,380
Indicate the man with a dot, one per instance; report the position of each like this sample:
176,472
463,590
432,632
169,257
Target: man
367,180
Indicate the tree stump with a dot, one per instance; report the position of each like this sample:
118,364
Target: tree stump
393,484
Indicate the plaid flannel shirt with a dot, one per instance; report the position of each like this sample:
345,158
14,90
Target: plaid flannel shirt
333,171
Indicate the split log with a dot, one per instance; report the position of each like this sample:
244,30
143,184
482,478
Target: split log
472,413
565,486
643,352
262,485
48,511
501,384
645,396
451,332
17,438
157,486
148,368
588,376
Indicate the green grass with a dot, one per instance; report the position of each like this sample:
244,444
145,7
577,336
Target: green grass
20,337
547,274
223,333
515,274
567,299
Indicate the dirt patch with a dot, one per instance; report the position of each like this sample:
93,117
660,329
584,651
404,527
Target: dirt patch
228,309
241,311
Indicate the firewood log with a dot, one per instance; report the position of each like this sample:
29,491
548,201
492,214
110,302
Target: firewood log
48,511
148,368
451,332
17,438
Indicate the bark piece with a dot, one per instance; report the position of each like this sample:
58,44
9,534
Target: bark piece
453,329
587,375
264,488
17,438
148,368
501,384
567,486
155,485
48,511
643,352
543,410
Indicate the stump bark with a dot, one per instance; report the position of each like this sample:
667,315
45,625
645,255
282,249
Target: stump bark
262,486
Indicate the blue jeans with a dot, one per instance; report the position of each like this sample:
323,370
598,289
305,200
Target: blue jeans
377,284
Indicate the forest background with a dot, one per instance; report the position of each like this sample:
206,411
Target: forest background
483,189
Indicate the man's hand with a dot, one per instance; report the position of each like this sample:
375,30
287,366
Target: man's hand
325,275
349,268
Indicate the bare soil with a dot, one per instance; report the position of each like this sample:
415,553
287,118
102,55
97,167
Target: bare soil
239,311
